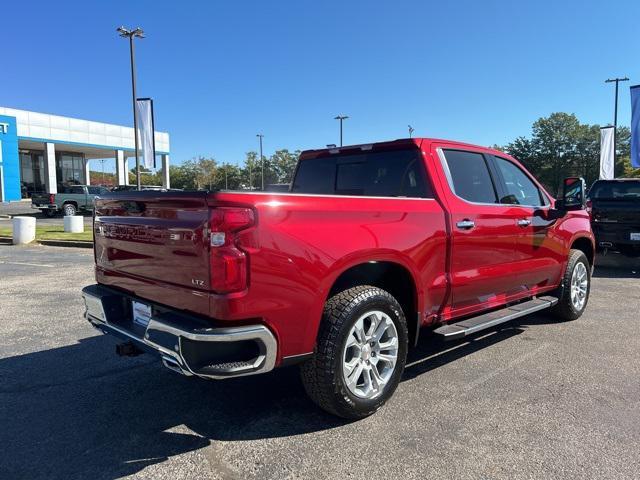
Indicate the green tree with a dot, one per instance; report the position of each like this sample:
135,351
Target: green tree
561,146
250,172
282,165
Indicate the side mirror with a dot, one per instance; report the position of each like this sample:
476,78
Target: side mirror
573,194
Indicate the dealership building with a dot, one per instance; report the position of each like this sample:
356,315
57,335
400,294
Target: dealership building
42,153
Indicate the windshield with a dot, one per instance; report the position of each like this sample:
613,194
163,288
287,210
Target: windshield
611,190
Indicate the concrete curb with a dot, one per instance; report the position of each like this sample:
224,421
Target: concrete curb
52,243
66,243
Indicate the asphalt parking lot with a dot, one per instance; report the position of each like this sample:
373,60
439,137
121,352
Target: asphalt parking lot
534,399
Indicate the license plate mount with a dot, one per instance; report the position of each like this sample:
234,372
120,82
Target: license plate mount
141,313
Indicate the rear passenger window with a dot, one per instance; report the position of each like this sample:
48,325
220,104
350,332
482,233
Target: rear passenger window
378,174
470,176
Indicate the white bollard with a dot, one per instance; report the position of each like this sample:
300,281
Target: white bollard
73,224
24,230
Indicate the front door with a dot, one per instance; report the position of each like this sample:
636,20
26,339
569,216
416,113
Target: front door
484,234
539,254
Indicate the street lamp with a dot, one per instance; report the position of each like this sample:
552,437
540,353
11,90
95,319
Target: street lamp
341,118
261,136
615,114
102,162
411,130
131,34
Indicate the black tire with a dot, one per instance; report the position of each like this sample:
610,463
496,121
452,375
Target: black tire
565,309
322,375
49,213
69,209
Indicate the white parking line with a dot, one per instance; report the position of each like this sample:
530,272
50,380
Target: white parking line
28,264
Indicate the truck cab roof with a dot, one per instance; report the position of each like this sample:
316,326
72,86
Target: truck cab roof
398,144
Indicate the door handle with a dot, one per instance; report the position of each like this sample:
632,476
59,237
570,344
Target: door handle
466,224
523,222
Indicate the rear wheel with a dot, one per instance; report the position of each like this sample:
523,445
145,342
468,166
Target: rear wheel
573,293
69,209
360,354
50,213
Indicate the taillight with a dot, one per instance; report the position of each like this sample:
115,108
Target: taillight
228,262
52,198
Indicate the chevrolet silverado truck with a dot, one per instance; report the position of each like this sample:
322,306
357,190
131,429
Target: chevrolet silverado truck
614,206
69,201
370,245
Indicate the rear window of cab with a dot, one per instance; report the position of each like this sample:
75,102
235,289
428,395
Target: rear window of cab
396,173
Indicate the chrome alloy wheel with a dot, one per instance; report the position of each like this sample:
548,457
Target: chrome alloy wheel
579,286
370,354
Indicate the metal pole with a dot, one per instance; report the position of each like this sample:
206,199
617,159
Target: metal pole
135,115
261,159
617,80
341,118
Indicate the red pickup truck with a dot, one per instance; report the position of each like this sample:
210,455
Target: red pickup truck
371,243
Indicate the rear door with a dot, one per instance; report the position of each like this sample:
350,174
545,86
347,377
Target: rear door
484,233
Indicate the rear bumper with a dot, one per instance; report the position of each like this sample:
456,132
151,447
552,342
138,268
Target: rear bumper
184,344
44,207
616,234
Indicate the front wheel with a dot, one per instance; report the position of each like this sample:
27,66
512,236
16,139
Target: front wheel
360,354
573,293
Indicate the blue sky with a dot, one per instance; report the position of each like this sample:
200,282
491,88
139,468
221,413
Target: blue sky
220,72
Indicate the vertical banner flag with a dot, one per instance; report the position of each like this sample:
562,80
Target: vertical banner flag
607,162
635,126
146,140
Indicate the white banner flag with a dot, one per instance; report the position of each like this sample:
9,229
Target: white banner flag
146,141
607,158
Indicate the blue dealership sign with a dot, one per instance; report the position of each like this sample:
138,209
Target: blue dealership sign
635,126
9,159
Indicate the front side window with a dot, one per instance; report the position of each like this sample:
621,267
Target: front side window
519,188
96,190
470,176
398,173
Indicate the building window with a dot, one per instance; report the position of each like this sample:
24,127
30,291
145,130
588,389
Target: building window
70,169
31,173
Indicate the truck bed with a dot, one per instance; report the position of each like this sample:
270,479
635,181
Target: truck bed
156,245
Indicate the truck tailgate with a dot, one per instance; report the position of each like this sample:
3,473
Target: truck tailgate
154,235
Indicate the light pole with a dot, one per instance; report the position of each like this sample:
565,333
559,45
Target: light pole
131,34
261,136
226,183
615,115
341,118
102,162
411,130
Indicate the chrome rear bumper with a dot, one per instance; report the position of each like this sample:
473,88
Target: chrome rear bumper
184,345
